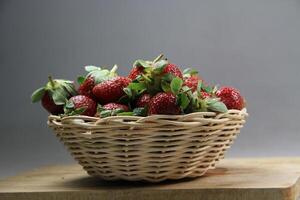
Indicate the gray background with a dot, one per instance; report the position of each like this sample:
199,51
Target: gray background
252,45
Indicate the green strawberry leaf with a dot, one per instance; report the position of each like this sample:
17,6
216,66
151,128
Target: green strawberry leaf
199,86
139,112
80,80
165,86
69,105
217,107
215,89
37,95
114,112
211,100
137,86
159,66
186,89
90,68
59,96
124,100
141,63
79,111
176,85
100,75
128,92
105,113
206,88
183,100
70,88
190,71
168,77
125,114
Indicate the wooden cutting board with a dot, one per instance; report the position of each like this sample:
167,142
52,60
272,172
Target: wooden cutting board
257,179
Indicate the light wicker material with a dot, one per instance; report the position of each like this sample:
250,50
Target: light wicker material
153,148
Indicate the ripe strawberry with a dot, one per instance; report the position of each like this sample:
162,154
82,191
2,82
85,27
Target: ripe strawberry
135,71
143,100
111,90
54,95
88,105
114,106
172,69
163,103
204,95
95,75
86,87
192,82
231,97
50,106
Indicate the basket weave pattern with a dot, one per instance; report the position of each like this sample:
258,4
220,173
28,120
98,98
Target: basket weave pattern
152,148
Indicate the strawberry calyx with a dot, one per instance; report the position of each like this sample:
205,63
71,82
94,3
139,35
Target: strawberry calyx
98,74
59,90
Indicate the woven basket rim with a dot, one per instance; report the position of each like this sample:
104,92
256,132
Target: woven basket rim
211,114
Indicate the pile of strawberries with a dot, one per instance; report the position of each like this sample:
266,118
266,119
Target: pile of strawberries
152,87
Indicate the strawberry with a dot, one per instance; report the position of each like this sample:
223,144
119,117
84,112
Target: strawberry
54,95
86,87
172,69
50,106
135,71
231,97
111,90
114,106
143,100
163,103
95,75
192,82
204,95
82,105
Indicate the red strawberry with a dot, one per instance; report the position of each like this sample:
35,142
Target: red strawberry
54,95
163,103
143,100
135,71
111,90
50,106
88,105
231,97
172,69
95,75
86,87
113,106
192,82
204,95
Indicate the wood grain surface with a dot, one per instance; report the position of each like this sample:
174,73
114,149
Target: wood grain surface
257,179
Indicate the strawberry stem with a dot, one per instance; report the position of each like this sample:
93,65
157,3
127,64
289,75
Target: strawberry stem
158,58
114,69
51,81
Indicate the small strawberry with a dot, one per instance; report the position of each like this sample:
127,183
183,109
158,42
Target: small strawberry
135,71
111,90
192,82
54,95
95,75
231,97
86,87
143,100
163,103
114,106
82,105
205,95
172,69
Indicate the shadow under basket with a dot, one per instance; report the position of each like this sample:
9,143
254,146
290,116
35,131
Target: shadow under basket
152,148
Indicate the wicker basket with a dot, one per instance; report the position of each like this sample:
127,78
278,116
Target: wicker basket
152,148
